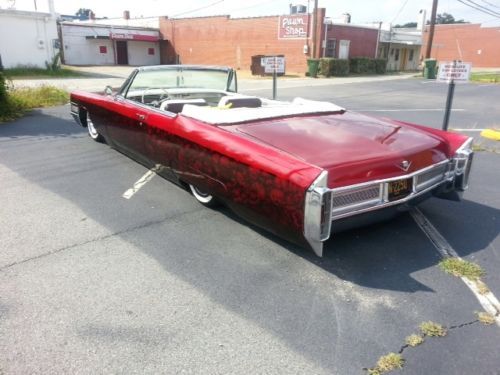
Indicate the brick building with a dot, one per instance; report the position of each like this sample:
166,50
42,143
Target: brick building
222,40
346,40
467,42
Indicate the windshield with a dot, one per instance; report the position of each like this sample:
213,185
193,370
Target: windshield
182,78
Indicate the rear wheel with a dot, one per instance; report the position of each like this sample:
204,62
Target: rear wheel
93,133
203,197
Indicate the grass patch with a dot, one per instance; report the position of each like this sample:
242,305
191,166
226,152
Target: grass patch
461,268
432,329
485,318
27,72
386,363
478,148
482,288
414,340
18,101
485,77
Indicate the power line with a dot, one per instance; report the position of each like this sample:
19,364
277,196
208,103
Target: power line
491,4
197,9
399,11
483,7
487,11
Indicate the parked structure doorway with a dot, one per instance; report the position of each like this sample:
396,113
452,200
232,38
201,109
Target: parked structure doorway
121,52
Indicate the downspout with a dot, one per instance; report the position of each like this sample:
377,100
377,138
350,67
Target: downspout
378,39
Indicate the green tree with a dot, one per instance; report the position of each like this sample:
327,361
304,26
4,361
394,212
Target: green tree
407,24
446,18
83,13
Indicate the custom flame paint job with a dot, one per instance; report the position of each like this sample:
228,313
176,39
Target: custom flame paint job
263,169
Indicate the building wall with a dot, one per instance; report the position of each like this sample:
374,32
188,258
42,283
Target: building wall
466,42
363,40
138,53
79,50
400,56
26,38
232,42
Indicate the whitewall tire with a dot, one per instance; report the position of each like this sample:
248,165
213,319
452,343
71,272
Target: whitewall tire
202,197
93,133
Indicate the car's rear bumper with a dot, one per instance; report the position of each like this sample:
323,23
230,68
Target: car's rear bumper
368,201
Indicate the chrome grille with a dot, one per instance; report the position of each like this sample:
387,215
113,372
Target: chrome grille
357,196
431,177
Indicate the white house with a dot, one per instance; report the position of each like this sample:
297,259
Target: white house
97,44
27,38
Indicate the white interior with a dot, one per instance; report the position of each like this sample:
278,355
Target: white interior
270,109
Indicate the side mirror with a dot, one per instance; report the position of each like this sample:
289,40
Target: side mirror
108,90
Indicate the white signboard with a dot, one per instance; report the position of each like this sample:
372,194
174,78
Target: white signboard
454,70
274,62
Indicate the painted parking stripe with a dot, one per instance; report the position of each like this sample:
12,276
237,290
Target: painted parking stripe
467,130
409,110
140,183
488,300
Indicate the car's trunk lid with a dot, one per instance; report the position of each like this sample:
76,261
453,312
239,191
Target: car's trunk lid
354,148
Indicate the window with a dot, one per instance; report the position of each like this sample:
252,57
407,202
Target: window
103,49
151,51
396,57
330,47
410,58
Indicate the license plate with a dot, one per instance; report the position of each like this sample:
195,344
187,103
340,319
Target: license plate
400,189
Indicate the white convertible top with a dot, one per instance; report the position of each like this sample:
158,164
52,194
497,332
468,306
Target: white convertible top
222,115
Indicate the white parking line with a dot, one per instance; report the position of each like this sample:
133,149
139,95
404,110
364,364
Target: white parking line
409,110
140,183
487,300
467,130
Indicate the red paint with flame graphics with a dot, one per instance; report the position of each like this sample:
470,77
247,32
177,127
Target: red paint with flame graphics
264,169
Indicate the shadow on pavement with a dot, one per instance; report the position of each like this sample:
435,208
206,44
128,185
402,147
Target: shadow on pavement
262,283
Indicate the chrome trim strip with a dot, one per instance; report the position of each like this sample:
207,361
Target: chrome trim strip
312,213
383,201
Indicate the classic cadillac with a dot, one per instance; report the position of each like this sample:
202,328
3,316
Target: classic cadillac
300,169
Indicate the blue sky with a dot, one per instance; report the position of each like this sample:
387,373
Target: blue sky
362,11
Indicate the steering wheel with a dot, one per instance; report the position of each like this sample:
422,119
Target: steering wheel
163,94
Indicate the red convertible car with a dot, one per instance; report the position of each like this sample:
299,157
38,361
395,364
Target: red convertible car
300,169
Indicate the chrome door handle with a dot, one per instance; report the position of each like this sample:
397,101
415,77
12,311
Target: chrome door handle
141,116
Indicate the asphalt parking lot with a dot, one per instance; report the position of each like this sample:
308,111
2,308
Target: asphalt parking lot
91,282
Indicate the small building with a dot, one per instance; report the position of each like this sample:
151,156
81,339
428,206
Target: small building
98,44
345,40
27,38
401,48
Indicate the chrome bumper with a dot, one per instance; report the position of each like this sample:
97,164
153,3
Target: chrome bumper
324,205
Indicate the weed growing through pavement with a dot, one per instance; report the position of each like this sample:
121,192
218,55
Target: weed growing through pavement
432,329
461,268
386,363
485,318
414,340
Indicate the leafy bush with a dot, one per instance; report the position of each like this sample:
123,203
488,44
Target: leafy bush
333,67
366,65
380,66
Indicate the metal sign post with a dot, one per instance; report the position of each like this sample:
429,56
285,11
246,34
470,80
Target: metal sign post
275,76
274,65
451,72
449,101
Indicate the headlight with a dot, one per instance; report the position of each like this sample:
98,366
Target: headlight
463,163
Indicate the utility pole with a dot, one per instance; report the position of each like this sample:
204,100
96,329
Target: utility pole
315,23
431,29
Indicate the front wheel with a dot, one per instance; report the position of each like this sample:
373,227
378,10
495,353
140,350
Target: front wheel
93,133
202,197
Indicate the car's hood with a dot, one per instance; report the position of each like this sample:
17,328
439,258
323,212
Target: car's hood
354,148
